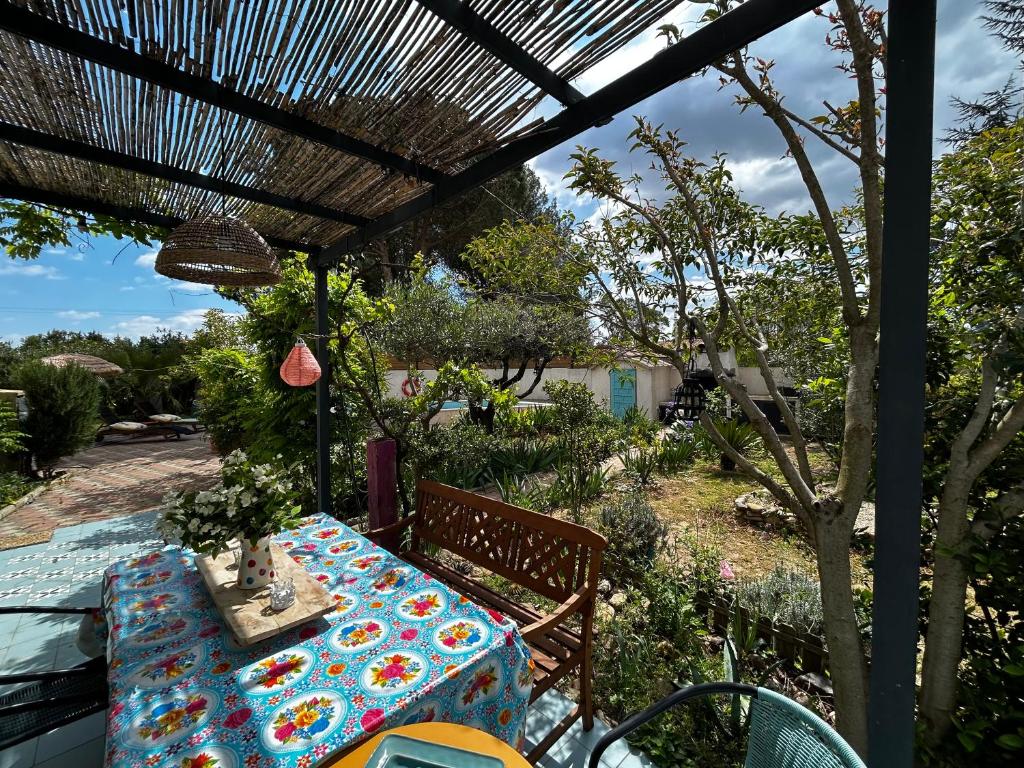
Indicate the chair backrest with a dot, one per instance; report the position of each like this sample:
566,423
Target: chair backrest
785,734
551,557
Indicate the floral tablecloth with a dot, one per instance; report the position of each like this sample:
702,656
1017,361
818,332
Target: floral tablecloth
400,648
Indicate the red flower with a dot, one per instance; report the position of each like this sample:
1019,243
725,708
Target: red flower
209,631
307,632
196,705
310,547
409,634
372,719
496,616
284,731
237,718
118,708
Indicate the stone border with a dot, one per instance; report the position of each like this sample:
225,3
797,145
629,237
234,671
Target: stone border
35,493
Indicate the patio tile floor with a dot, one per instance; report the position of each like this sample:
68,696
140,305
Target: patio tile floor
67,570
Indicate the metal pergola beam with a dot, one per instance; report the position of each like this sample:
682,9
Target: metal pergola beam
121,212
732,31
91,153
40,29
470,24
902,338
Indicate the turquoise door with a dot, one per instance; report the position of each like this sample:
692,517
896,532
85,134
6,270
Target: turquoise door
623,391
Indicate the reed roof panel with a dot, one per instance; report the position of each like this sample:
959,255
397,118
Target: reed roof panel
389,73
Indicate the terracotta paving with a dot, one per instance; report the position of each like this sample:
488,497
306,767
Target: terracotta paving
112,479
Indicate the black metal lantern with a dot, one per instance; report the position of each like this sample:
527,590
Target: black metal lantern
691,396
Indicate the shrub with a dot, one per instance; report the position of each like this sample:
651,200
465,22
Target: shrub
636,536
14,485
63,412
12,439
640,463
456,454
675,455
640,427
785,595
523,456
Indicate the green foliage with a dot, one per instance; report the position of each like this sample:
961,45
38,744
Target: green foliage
456,454
785,595
989,719
63,405
652,643
523,456
12,439
636,537
740,436
14,485
232,402
27,228
675,455
246,404
642,429
585,438
640,463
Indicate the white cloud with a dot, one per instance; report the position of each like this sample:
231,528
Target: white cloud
146,259
127,287
143,325
17,269
74,314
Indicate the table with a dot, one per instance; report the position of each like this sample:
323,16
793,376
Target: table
451,735
400,648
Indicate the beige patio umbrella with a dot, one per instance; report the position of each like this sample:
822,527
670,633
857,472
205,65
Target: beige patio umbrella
91,363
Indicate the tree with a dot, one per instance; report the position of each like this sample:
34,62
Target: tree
440,236
63,410
686,255
977,384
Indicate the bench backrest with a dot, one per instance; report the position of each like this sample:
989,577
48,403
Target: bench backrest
551,557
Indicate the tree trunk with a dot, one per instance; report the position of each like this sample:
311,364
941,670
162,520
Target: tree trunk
845,650
946,613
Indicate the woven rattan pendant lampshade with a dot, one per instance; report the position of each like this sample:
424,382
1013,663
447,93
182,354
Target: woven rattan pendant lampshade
218,250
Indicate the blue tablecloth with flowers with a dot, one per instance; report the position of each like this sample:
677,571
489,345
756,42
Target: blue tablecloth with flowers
400,648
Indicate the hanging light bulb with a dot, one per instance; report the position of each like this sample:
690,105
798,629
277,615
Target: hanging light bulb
300,368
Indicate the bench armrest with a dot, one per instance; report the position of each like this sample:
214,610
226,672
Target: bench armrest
545,624
387,530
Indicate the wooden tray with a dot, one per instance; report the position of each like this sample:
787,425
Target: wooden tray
247,612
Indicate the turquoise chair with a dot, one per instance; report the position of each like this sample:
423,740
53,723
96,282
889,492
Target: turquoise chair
783,734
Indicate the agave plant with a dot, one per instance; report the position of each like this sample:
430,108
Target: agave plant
640,463
740,437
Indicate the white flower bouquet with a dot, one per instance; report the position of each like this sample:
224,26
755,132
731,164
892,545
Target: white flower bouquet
252,502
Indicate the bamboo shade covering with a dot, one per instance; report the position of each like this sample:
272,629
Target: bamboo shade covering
387,72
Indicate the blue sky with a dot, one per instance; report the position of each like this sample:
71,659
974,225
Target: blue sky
103,285
98,284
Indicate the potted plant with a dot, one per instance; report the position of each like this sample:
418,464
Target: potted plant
253,503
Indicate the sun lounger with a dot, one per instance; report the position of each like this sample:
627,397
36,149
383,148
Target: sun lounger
136,429
169,419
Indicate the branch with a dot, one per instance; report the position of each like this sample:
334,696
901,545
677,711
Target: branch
1005,431
773,110
812,128
538,375
1007,506
776,490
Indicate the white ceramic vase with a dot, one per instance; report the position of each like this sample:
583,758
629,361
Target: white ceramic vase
256,564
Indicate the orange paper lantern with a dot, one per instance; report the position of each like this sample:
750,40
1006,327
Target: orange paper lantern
300,368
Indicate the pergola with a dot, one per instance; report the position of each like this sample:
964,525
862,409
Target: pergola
328,123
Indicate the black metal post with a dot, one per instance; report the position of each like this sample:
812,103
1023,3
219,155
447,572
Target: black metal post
901,381
323,393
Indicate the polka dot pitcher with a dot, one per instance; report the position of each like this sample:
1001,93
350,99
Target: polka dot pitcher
256,564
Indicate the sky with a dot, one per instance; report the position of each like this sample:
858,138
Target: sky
105,285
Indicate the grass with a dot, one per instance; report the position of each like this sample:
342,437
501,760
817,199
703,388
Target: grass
700,502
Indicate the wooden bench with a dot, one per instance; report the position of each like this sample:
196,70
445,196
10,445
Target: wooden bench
552,558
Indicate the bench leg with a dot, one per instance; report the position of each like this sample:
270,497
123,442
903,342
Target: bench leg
587,690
